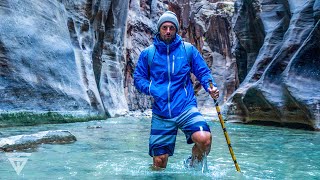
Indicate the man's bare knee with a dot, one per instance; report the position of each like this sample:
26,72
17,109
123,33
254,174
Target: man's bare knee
160,161
202,139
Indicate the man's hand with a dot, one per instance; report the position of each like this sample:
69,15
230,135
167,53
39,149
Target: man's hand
214,92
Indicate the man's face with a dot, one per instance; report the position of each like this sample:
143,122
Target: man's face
167,32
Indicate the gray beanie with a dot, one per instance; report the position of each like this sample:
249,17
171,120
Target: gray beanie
168,16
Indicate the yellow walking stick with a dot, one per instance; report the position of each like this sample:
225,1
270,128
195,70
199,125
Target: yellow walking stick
225,133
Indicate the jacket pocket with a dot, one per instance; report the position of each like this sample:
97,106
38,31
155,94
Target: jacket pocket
157,91
153,90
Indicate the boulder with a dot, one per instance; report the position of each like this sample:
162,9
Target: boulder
23,142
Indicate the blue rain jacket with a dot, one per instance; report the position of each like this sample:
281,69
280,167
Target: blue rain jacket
168,79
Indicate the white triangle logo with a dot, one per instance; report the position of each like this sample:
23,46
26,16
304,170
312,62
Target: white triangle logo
18,160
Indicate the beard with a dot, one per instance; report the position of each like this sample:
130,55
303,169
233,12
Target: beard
167,38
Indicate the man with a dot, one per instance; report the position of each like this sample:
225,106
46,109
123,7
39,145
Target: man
167,80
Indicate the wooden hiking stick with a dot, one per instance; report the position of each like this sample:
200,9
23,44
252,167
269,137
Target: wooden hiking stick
225,133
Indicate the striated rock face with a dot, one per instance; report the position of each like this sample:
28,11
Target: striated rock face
97,31
278,51
61,60
210,30
39,72
141,27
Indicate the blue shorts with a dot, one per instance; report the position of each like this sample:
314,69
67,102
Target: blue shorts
164,131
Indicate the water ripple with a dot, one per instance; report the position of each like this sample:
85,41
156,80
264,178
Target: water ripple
118,149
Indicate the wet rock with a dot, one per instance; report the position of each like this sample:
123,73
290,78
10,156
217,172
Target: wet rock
94,127
21,142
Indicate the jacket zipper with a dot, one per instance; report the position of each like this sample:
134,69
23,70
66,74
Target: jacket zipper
173,64
169,76
150,87
185,84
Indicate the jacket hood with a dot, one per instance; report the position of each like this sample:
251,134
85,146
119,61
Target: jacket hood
162,46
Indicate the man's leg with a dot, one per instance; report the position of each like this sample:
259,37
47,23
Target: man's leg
197,131
162,140
160,161
202,146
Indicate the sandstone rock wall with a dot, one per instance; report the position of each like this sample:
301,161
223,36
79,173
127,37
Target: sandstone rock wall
277,46
64,60
61,61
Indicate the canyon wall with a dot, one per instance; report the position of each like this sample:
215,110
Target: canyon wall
279,57
61,61
65,61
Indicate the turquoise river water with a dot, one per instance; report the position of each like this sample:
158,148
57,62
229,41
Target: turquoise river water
119,150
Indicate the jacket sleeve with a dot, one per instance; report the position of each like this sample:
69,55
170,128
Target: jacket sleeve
201,70
141,74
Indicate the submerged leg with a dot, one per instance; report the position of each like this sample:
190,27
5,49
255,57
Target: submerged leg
160,162
201,148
